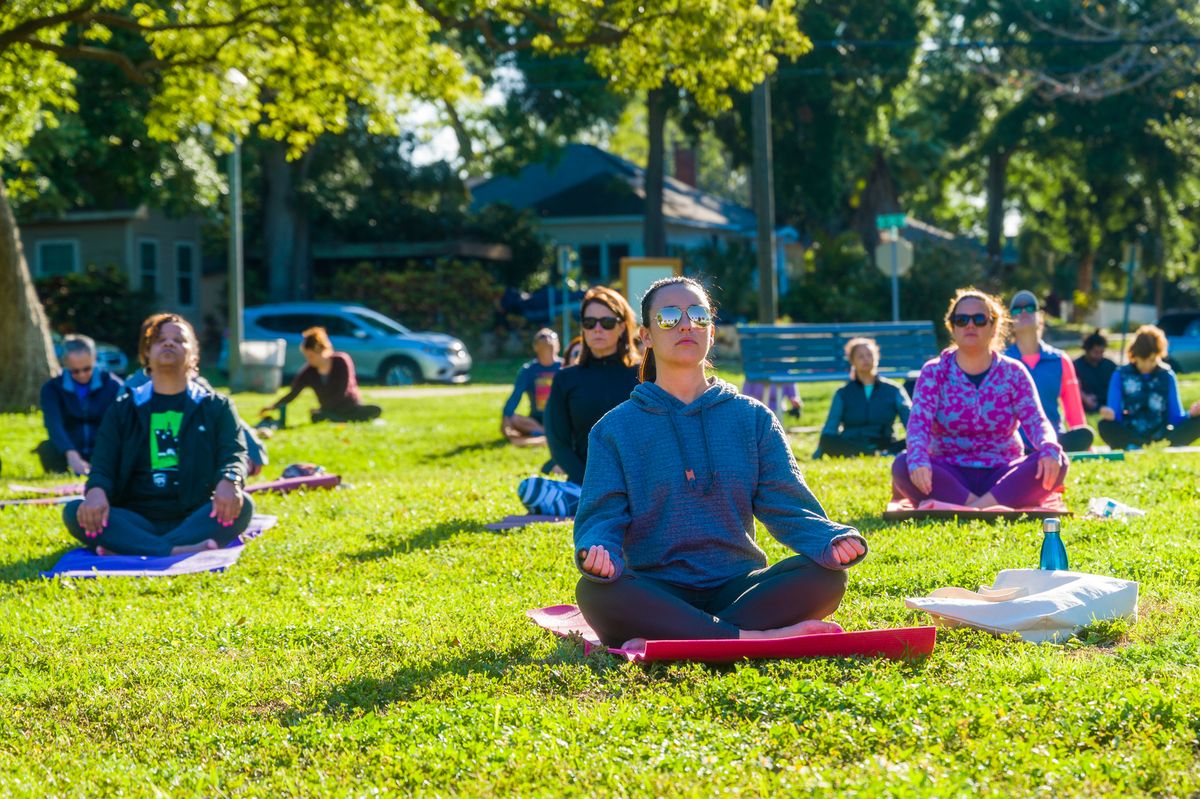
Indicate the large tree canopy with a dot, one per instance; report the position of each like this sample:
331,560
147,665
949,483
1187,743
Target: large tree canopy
307,61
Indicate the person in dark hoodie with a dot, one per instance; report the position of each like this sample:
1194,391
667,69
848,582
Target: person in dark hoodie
169,463
580,395
862,416
73,405
664,535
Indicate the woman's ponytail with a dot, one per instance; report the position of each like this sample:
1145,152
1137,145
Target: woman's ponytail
647,371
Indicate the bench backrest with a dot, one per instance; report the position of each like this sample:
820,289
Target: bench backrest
809,353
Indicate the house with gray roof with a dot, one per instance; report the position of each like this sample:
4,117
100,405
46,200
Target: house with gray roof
594,202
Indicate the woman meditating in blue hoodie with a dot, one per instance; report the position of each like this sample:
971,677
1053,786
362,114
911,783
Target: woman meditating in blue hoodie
664,534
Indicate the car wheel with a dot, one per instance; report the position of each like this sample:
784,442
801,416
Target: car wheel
399,372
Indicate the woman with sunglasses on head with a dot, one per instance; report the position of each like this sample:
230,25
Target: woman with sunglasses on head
581,394
963,446
664,536
862,416
1053,375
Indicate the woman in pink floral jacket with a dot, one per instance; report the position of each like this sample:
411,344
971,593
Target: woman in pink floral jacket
963,445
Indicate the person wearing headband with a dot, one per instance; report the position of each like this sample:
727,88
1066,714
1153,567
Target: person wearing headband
534,380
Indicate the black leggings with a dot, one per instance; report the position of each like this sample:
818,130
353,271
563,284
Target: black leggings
352,413
635,606
1120,436
839,446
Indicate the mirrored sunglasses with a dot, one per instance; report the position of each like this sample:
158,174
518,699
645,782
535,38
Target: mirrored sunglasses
672,315
1017,310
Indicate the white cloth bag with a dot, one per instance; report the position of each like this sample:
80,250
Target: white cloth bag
1037,604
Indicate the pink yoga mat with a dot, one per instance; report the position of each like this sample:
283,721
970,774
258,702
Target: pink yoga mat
283,486
900,643
901,509
513,522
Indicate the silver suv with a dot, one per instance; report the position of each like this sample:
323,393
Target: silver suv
381,347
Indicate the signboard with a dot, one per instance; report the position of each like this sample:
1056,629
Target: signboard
888,221
903,254
638,273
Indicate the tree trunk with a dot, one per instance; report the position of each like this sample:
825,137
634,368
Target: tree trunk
285,225
879,196
997,187
654,235
1083,283
26,351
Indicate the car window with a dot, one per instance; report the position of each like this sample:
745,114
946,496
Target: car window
1179,324
285,323
1193,329
336,325
380,324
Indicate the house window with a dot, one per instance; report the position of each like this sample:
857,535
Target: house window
148,266
589,261
615,253
185,261
57,258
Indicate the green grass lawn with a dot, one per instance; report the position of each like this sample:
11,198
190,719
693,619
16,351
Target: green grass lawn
374,644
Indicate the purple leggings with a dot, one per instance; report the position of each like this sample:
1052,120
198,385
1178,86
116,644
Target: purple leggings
1015,485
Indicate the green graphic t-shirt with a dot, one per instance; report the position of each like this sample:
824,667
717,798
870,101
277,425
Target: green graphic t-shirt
155,484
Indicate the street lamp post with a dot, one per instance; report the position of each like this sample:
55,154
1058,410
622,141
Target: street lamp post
236,259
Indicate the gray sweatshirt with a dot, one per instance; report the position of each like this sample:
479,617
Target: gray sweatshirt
672,490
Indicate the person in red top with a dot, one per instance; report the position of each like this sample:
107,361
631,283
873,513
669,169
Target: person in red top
331,376
1053,374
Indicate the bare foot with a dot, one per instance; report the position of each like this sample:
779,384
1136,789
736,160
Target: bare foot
102,551
809,627
207,543
634,644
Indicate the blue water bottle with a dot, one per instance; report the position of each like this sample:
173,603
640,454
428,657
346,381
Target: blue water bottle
1054,554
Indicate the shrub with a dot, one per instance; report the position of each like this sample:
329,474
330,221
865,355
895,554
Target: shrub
453,297
97,302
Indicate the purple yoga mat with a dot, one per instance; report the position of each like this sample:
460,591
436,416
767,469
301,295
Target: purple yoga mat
85,563
899,643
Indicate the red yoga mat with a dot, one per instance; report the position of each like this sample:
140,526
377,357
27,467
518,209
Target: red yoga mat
899,643
901,509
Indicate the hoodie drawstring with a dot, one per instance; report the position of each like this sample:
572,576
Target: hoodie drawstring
690,474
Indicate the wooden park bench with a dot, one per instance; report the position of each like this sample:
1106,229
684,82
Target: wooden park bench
815,353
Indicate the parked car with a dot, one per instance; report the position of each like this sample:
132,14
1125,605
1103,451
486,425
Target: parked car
108,356
382,348
1183,339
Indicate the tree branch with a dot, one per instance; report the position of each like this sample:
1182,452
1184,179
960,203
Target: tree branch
86,53
24,31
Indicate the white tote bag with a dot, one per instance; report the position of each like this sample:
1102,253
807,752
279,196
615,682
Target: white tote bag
1037,604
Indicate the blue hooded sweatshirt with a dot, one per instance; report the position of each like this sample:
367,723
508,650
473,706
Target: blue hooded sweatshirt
672,490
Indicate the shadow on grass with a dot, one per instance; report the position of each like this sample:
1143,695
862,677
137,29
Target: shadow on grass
28,569
465,449
429,538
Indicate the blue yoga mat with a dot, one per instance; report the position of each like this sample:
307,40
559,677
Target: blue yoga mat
85,563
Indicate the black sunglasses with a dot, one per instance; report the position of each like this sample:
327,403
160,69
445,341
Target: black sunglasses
606,322
964,319
672,315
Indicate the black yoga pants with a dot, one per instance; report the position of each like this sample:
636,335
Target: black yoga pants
130,533
1120,436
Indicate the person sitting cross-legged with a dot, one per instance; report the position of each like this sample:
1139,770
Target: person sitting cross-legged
1143,399
676,475
963,447
534,380
862,416
169,463
73,404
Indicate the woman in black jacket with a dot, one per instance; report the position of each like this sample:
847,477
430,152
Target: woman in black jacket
580,395
864,411
169,463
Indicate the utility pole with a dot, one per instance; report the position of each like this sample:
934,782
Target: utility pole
764,201
234,360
